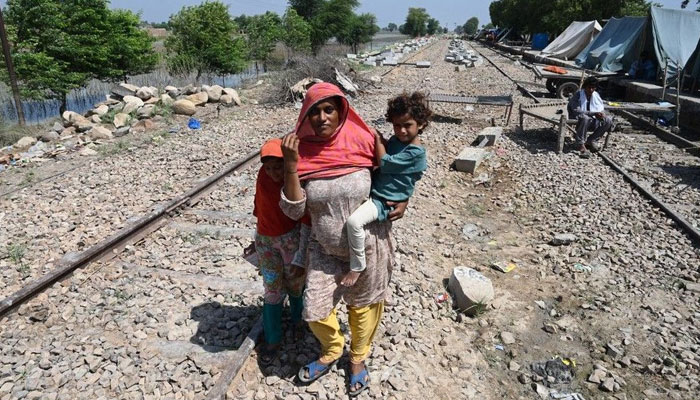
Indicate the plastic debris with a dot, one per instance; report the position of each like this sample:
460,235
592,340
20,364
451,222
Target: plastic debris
578,267
194,123
441,297
554,394
556,369
503,267
499,347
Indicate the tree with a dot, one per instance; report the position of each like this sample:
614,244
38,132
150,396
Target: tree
488,26
131,47
391,27
433,26
242,21
360,30
263,32
306,9
530,16
331,18
59,45
471,26
204,38
416,21
296,31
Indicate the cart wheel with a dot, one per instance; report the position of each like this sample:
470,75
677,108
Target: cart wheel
551,86
566,89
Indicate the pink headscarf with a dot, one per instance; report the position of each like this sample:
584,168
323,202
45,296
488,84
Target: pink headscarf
349,149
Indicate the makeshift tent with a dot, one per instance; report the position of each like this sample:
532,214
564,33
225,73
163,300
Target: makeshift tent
617,46
573,40
676,34
693,65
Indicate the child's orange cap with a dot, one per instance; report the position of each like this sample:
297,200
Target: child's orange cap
271,148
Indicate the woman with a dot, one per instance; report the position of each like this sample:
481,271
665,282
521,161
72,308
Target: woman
332,151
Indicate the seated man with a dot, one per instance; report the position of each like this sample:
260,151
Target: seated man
588,108
644,68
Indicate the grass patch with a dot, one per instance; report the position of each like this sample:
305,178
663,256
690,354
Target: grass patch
10,134
164,110
29,177
16,253
476,310
476,210
112,149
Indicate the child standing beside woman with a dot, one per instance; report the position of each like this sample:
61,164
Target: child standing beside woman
276,244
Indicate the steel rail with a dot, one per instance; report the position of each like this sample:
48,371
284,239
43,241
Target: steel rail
109,247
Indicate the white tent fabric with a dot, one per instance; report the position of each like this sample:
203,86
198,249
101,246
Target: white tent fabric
573,40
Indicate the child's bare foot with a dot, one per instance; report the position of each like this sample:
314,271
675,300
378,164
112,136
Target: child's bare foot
350,278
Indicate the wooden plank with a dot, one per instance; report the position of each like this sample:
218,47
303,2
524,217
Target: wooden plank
218,392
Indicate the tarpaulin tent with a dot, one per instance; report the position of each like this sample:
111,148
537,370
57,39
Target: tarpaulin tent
676,34
693,65
617,46
573,40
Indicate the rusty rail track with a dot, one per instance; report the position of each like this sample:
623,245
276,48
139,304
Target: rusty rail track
683,224
110,247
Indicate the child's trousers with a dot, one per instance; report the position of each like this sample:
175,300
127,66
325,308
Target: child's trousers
355,226
363,323
275,254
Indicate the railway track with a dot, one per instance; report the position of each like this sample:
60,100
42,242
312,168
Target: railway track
106,275
687,226
190,244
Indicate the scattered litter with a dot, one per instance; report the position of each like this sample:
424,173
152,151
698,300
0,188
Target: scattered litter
583,268
571,362
483,178
554,394
492,243
559,371
194,123
174,129
441,297
470,231
499,347
503,267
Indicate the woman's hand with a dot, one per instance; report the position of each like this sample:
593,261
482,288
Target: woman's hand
398,211
290,150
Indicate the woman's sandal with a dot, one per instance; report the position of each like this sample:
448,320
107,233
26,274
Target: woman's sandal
361,378
315,370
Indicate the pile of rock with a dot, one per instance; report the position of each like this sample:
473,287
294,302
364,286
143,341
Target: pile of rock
128,109
393,55
459,55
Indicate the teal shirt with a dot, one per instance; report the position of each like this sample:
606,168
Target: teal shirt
400,168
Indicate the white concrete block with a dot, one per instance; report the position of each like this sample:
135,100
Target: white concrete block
470,158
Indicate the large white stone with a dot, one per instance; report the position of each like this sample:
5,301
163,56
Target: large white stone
184,107
470,289
120,120
198,99
214,93
234,95
25,143
134,100
100,133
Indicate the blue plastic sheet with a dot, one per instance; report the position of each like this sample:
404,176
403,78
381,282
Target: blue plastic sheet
194,123
617,46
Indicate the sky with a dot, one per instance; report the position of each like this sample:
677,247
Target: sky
448,12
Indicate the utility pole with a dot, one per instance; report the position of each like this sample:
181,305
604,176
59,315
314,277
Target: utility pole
11,70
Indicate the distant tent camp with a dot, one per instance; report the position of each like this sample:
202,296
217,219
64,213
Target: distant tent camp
573,40
676,36
617,46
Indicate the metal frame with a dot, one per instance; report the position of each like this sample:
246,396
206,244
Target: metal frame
502,101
